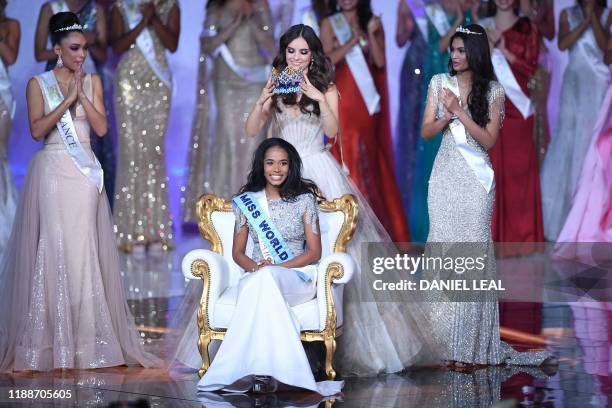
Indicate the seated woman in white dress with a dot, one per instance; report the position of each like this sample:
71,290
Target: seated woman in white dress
262,344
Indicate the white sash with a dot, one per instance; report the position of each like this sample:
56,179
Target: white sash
144,41
87,164
263,202
506,77
475,159
437,17
310,19
5,90
357,64
420,17
513,90
250,74
587,44
59,6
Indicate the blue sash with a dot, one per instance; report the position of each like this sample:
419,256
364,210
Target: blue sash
271,242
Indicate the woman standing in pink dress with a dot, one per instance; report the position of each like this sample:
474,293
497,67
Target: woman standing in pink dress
60,278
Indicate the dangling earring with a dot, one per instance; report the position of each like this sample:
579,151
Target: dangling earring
59,63
311,63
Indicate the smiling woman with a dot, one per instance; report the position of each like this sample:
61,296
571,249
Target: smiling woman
277,208
60,277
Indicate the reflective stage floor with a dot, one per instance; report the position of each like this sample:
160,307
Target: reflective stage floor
578,333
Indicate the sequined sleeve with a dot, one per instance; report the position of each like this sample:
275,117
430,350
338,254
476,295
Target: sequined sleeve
240,218
497,97
432,102
311,212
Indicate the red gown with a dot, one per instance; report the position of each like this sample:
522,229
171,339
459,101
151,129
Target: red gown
367,148
517,216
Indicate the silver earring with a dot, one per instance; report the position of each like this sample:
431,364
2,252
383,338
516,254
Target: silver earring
59,63
311,63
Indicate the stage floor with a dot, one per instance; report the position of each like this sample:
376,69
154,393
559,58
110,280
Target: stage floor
578,335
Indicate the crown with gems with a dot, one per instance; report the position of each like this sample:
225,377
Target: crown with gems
75,26
287,81
464,30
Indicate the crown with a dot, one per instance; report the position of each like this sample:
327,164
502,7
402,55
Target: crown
287,81
73,27
464,30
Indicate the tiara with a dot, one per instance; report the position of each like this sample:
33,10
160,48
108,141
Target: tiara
464,30
287,81
75,26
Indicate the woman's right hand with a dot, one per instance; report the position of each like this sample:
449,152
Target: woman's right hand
459,12
266,92
73,91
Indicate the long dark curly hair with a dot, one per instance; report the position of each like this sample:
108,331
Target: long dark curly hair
320,73
479,62
364,12
293,186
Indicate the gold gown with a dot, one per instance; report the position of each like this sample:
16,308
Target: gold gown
219,162
142,107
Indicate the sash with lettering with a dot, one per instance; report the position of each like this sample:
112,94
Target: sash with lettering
437,17
419,15
87,164
258,73
506,77
5,89
59,6
357,64
254,206
144,41
474,158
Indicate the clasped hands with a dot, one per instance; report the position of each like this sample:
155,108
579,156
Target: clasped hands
75,88
148,12
451,104
265,262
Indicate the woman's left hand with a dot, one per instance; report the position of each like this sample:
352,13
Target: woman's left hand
374,25
450,101
78,80
310,90
265,262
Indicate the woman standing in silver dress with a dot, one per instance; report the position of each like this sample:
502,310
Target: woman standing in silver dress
467,106
143,92
238,40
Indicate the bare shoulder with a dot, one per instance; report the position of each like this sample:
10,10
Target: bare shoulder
332,89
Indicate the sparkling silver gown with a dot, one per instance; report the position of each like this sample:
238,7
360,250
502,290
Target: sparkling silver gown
460,211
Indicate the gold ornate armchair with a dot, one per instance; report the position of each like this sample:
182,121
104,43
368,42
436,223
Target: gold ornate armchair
320,318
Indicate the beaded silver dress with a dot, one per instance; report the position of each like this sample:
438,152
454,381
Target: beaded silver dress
289,217
142,107
460,211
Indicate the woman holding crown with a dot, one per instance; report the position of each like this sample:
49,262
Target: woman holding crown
60,278
141,31
9,49
300,103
